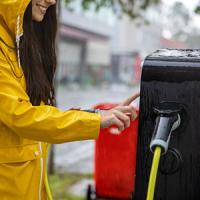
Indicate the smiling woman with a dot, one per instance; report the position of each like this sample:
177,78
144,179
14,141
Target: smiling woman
39,8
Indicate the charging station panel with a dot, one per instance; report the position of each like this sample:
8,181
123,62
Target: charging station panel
171,77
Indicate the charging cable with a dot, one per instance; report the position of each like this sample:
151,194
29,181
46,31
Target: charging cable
166,123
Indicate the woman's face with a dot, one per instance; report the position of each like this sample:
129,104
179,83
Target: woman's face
39,8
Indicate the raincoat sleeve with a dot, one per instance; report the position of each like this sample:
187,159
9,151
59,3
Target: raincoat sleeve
41,123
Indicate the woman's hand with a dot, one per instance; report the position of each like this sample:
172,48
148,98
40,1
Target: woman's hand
119,116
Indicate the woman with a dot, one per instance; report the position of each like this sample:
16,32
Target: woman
28,118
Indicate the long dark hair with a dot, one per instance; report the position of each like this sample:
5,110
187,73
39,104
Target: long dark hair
38,57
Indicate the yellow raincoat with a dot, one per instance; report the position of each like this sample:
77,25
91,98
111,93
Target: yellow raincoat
25,129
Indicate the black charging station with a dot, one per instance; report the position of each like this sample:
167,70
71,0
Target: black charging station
170,81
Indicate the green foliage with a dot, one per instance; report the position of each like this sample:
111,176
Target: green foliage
131,8
60,185
197,10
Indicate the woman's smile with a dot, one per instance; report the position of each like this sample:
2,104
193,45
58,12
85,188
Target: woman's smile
42,8
39,8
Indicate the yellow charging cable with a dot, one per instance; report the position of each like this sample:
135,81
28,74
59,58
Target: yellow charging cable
48,190
153,174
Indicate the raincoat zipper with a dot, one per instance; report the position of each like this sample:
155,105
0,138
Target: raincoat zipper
41,172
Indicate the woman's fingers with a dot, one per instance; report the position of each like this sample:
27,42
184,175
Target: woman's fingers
119,116
110,120
130,99
115,118
135,115
128,110
117,122
125,119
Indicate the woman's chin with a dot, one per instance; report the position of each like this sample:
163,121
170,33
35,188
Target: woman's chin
37,18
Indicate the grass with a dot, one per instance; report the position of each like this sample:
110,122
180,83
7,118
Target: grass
61,183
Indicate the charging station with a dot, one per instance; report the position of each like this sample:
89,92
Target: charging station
170,119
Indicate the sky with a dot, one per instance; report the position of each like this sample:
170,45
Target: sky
190,4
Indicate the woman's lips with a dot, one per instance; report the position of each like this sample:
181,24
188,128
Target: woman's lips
42,8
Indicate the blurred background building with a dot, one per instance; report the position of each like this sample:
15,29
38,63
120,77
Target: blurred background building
98,47
85,46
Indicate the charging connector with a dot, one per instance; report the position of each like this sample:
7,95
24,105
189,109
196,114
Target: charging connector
166,123
168,119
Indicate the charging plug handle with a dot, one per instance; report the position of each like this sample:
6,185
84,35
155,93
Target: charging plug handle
166,123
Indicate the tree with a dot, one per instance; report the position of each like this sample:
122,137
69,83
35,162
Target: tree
197,9
179,21
131,8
